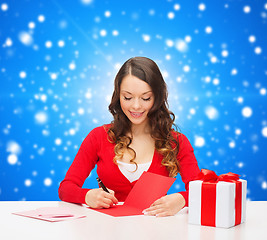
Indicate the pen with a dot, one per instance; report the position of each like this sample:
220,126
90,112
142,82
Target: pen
102,185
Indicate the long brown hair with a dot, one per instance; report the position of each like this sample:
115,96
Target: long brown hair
160,118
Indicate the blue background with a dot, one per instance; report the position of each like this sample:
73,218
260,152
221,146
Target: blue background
59,59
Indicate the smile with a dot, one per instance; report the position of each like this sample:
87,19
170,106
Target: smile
136,114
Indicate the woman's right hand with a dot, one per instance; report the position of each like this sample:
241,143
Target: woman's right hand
98,198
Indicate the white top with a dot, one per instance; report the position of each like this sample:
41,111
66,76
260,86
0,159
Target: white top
128,170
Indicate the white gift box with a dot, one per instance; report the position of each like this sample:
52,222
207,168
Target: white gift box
224,203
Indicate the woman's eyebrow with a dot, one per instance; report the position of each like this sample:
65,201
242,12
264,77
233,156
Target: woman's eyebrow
132,94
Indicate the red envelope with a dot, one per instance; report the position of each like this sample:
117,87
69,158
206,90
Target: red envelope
147,190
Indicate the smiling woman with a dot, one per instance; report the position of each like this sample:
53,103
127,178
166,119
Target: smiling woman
140,138
141,117
136,99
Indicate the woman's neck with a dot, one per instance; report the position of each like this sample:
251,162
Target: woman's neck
142,129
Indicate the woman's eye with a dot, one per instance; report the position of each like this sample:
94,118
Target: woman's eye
146,99
127,99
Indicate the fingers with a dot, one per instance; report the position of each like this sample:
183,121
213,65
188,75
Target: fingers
98,198
156,209
168,205
110,198
162,214
158,212
157,202
106,203
105,200
113,198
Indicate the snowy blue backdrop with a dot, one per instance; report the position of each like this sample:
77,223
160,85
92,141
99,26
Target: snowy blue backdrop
58,60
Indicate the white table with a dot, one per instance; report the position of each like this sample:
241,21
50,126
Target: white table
100,226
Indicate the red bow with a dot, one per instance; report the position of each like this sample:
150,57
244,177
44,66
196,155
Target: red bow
210,176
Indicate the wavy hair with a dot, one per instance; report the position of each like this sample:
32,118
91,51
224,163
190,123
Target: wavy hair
161,120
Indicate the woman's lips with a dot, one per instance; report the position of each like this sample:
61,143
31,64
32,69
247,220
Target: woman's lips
136,114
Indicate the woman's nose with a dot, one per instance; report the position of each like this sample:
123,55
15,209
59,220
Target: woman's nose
136,104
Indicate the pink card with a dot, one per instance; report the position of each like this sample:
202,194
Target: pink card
51,214
147,190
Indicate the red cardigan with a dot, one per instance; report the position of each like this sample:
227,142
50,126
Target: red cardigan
97,150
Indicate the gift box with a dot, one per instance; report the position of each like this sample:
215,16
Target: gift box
218,201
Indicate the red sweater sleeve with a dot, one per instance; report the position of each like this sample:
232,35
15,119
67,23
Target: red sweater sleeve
70,189
188,164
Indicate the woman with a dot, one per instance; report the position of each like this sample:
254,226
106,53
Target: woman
140,138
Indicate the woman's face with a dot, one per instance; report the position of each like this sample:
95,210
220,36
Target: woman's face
136,99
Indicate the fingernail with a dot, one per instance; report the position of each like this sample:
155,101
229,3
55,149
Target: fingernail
157,215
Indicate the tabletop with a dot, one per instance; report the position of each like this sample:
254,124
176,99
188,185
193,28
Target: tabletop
101,226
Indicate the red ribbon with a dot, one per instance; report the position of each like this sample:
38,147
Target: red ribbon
208,195
210,176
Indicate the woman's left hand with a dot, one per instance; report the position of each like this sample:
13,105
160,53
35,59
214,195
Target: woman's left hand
167,205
